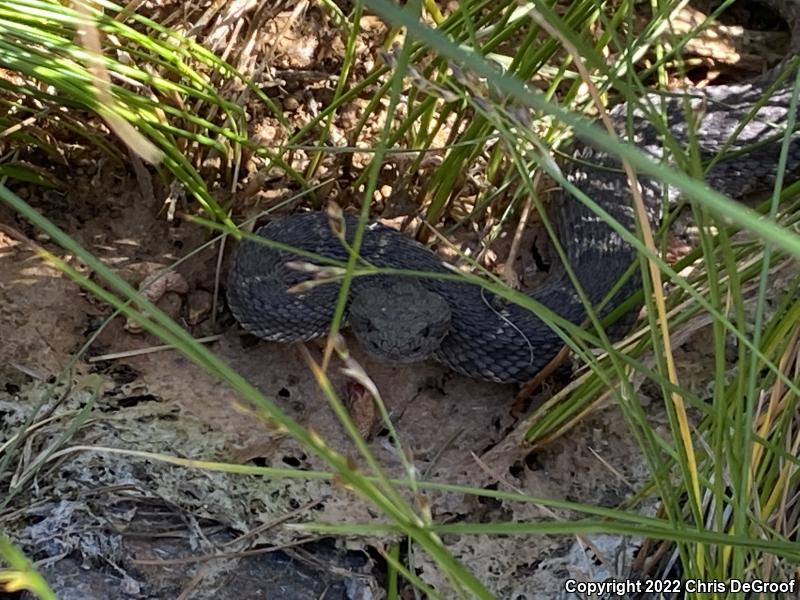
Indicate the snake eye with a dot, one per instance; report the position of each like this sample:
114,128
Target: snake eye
425,332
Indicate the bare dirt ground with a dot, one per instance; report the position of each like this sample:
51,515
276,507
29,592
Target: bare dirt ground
114,525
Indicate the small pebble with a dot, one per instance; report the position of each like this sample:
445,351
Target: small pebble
198,306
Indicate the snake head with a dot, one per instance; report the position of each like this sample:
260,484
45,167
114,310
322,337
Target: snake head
402,322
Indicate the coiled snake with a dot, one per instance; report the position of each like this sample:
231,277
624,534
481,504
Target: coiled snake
475,333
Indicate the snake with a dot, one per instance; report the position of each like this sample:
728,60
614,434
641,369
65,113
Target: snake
397,317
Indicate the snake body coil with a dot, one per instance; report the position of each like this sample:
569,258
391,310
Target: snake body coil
470,330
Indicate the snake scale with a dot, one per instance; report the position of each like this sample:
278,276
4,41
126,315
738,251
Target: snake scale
405,319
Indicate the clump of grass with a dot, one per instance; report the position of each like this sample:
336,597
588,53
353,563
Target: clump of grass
147,76
716,483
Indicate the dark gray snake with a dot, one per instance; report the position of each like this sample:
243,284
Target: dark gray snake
460,324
